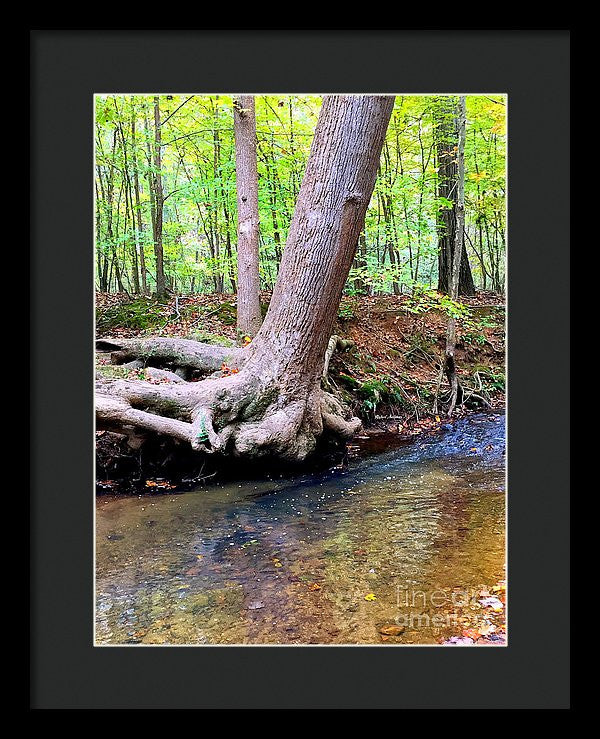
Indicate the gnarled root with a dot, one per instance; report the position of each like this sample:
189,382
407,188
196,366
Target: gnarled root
247,414
335,343
172,353
115,413
242,415
335,417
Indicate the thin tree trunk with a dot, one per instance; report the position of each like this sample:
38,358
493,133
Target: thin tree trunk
138,209
271,178
102,256
458,248
228,250
159,200
216,237
129,204
248,281
150,177
360,262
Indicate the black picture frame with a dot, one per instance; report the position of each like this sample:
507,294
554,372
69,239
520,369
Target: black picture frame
67,68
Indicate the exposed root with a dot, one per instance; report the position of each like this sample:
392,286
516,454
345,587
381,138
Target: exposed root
113,412
335,417
159,374
172,353
247,414
335,342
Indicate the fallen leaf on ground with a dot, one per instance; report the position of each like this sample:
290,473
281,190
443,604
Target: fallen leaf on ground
391,630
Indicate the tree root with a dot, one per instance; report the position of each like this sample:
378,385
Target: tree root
114,412
335,417
248,414
335,342
178,353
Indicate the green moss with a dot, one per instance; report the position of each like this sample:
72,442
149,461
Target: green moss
169,408
347,381
418,340
227,314
142,313
116,372
206,337
259,404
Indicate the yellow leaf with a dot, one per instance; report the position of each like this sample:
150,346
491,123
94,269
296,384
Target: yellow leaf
370,596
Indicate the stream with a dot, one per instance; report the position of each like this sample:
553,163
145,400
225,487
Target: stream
395,543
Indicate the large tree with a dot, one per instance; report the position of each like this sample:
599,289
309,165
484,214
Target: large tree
248,285
446,113
274,404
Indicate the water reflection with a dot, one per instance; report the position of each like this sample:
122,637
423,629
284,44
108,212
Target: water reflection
292,562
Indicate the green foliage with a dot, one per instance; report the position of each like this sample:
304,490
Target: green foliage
376,391
474,327
491,378
423,300
471,337
346,313
399,242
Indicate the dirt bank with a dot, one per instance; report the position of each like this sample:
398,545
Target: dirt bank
390,375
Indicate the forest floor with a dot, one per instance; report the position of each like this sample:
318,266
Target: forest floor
390,377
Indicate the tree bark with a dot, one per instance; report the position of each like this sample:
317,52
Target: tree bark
248,280
138,208
360,262
161,290
457,252
274,404
447,145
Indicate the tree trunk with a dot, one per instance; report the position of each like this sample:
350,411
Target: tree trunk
458,248
447,145
161,290
216,236
270,401
138,209
248,281
360,262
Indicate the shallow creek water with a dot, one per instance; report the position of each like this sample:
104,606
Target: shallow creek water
403,537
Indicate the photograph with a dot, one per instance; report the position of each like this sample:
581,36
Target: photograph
299,368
